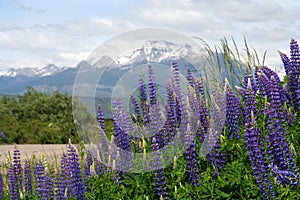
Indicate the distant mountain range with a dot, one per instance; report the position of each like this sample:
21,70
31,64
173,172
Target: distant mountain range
52,77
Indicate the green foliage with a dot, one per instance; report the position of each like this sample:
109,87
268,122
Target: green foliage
236,182
37,117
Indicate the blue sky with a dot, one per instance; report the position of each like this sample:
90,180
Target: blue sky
34,33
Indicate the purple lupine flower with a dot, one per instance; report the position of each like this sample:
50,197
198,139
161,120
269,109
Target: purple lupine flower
255,146
143,99
170,108
286,62
273,138
103,145
233,110
250,103
142,89
152,86
136,108
77,185
295,56
277,145
87,165
173,113
294,74
176,87
284,176
59,188
270,73
159,176
190,79
199,93
43,182
64,185
123,126
262,83
18,168
100,118
1,187
40,181
49,186
216,157
192,128
191,158
176,76
27,178
12,182
181,107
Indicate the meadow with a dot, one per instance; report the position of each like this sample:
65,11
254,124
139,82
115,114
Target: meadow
254,154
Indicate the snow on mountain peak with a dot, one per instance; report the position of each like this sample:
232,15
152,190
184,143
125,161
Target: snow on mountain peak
48,70
157,51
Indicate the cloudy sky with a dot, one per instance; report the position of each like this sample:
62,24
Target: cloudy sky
34,33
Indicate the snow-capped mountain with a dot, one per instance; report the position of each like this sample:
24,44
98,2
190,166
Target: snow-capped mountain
52,77
149,52
48,70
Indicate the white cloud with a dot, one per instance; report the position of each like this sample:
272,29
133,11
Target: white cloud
267,25
74,56
58,43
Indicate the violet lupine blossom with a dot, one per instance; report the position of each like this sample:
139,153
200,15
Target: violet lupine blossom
284,176
191,158
262,82
27,178
12,183
270,73
201,107
250,102
159,176
233,111
152,86
40,181
49,186
294,74
87,165
289,73
123,127
103,145
77,185
215,156
286,62
255,146
1,187
18,168
277,144
170,108
136,108
43,182
100,118
65,180
59,188
176,87
143,99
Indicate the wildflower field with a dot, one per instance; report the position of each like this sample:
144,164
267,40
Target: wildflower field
254,155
